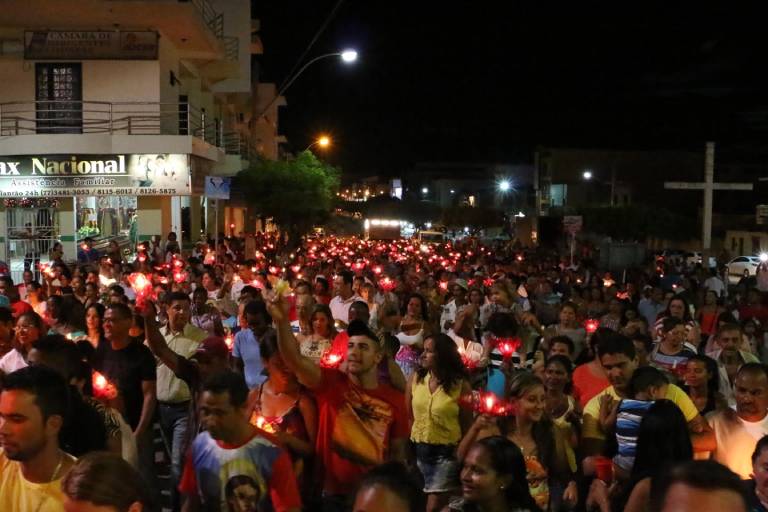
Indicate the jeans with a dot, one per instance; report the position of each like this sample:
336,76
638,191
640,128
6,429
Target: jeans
174,420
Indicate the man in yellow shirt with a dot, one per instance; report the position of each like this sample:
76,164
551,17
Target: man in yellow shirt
33,406
617,356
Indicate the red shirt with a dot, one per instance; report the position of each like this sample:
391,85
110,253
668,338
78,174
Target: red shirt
356,428
586,384
20,307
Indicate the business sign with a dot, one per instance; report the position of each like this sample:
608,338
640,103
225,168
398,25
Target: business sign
94,175
761,214
90,45
217,188
572,224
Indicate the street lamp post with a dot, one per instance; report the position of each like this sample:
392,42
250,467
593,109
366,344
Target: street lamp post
347,56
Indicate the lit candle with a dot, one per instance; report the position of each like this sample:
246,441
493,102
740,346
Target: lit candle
330,360
591,325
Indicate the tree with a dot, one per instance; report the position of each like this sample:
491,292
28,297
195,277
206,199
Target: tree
296,194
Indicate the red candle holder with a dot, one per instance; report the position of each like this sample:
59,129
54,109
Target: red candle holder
487,403
142,286
330,360
591,325
387,284
507,346
269,425
102,388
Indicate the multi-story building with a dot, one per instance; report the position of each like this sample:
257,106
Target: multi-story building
112,115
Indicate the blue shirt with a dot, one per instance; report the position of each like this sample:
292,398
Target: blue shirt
247,348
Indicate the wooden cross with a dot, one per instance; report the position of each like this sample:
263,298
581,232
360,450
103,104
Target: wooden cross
708,186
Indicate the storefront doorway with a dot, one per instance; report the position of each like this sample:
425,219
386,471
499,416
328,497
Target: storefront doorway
32,228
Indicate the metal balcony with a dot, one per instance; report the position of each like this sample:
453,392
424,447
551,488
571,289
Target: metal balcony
102,117
214,20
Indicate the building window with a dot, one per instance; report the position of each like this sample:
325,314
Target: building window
59,91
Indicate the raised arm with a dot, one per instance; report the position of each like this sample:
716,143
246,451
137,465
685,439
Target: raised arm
305,369
156,341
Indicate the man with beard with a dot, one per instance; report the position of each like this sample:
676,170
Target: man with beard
33,409
738,431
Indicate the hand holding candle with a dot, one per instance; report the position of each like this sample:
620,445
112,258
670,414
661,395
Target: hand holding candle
487,403
507,346
143,288
330,360
102,388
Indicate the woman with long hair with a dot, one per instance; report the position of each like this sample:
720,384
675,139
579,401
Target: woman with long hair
281,406
94,316
321,334
414,327
702,384
493,478
66,316
549,472
432,398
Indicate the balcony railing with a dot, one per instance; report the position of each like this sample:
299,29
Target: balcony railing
90,117
231,48
236,144
214,20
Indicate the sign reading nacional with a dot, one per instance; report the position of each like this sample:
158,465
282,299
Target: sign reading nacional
90,45
94,175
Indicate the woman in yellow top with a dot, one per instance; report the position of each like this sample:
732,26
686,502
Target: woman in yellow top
437,421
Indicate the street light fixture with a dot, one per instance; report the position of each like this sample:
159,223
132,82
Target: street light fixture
323,141
349,56
587,175
504,186
425,190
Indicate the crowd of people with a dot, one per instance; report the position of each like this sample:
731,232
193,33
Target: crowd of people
369,376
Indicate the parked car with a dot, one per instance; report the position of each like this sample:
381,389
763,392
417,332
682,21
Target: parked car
742,266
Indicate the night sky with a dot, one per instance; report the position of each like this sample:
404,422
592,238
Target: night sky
469,81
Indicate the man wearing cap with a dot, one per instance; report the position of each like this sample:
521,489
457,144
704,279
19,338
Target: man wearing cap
448,317
209,356
173,394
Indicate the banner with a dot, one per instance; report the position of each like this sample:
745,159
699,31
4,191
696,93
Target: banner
90,45
95,175
217,188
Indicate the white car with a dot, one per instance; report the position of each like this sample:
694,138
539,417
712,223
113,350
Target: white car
742,266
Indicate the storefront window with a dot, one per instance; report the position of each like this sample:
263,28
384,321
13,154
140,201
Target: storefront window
106,218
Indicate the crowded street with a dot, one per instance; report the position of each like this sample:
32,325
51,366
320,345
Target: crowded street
354,256
383,375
